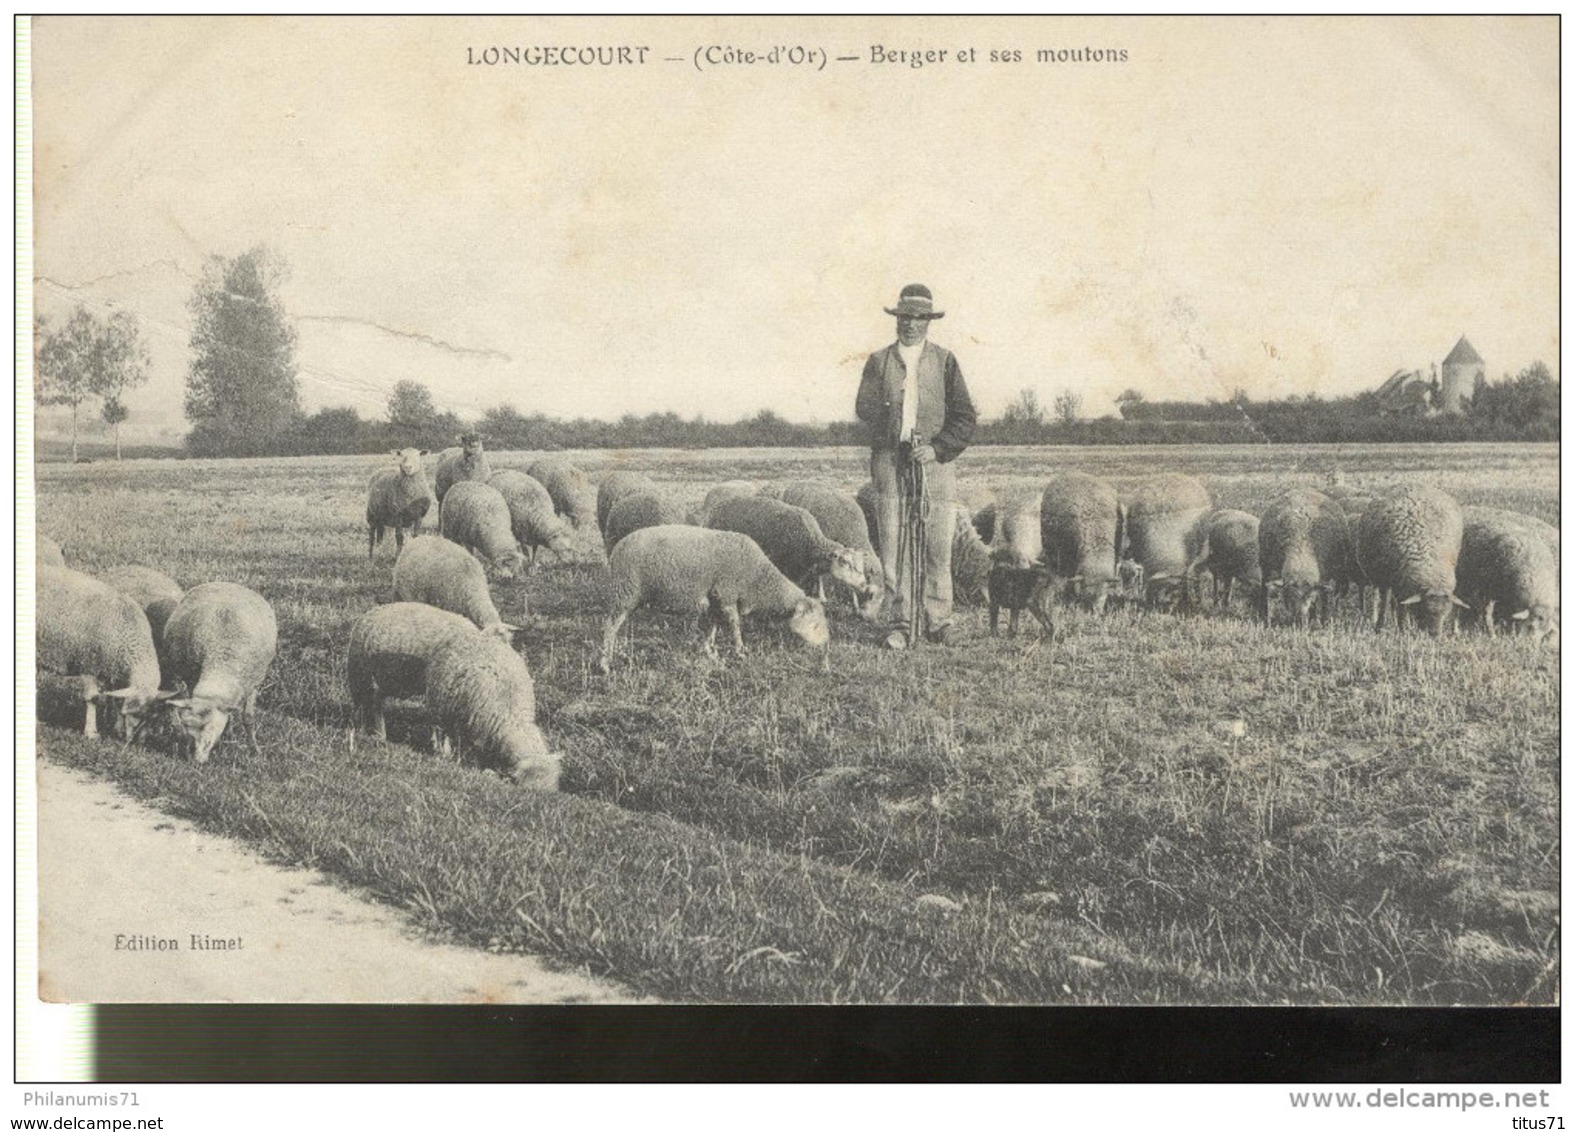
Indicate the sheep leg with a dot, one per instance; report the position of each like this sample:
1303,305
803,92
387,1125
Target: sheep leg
614,622
90,703
399,540
730,615
1487,617
1383,608
1230,586
1011,625
372,533
995,618
249,713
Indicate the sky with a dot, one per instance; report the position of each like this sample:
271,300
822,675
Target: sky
1277,205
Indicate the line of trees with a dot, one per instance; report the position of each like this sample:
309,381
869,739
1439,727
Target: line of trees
243,398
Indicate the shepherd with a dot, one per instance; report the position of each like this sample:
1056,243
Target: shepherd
916,404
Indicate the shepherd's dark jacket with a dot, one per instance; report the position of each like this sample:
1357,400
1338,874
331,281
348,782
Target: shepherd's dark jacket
946,415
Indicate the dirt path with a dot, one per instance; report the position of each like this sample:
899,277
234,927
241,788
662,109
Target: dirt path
115,872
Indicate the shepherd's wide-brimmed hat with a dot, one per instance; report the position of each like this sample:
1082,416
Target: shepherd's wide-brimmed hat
915,302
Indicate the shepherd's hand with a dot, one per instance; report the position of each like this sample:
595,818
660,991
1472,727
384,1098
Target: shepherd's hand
923,454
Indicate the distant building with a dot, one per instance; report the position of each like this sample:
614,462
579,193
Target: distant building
1462,368
1410,392
1407,392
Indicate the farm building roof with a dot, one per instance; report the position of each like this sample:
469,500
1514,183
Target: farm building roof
1463,354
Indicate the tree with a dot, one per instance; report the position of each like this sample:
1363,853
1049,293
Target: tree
410,407
1024,409
122,365
1068,405
241,390
91,358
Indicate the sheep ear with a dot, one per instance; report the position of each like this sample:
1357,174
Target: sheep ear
1521,616
1158,577
166,695
1462,604
117,694
178,703
424,452
510,628
393,451
1275,583
1412,600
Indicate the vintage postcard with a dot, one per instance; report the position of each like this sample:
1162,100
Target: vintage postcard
795,510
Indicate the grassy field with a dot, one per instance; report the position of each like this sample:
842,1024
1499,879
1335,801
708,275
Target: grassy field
1155,808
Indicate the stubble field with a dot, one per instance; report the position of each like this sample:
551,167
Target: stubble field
1151,808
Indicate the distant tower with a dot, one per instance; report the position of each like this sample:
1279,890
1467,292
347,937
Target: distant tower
1461,369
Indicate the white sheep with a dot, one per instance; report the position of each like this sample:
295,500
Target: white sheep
573,495
636,512
477,517
982,504
722,574
618,485
481,695
88,628
49,553
1508,567
1230,554
468,461
532,518
794,542
398,497
1408,545
158,594
1305,553
732,489
971,562
1167,517
1545,531
390,650
1080,526
221,641
433,570
842,519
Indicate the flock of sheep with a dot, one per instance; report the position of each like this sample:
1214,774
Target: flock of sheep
134,638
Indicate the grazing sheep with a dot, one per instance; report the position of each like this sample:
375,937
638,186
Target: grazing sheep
397,497
1230,554
88,628
842,520
725,574
477,517
1018,577
619,485
532,518
1408,544
481,694
982,505
732,489
636,512
1548,533
1167,517
389,653
793,540
1508,568
221,640
573,495
1304,553
433,570
158,595
1352,500
48,552
457,465
1080,522
865,497
971,563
